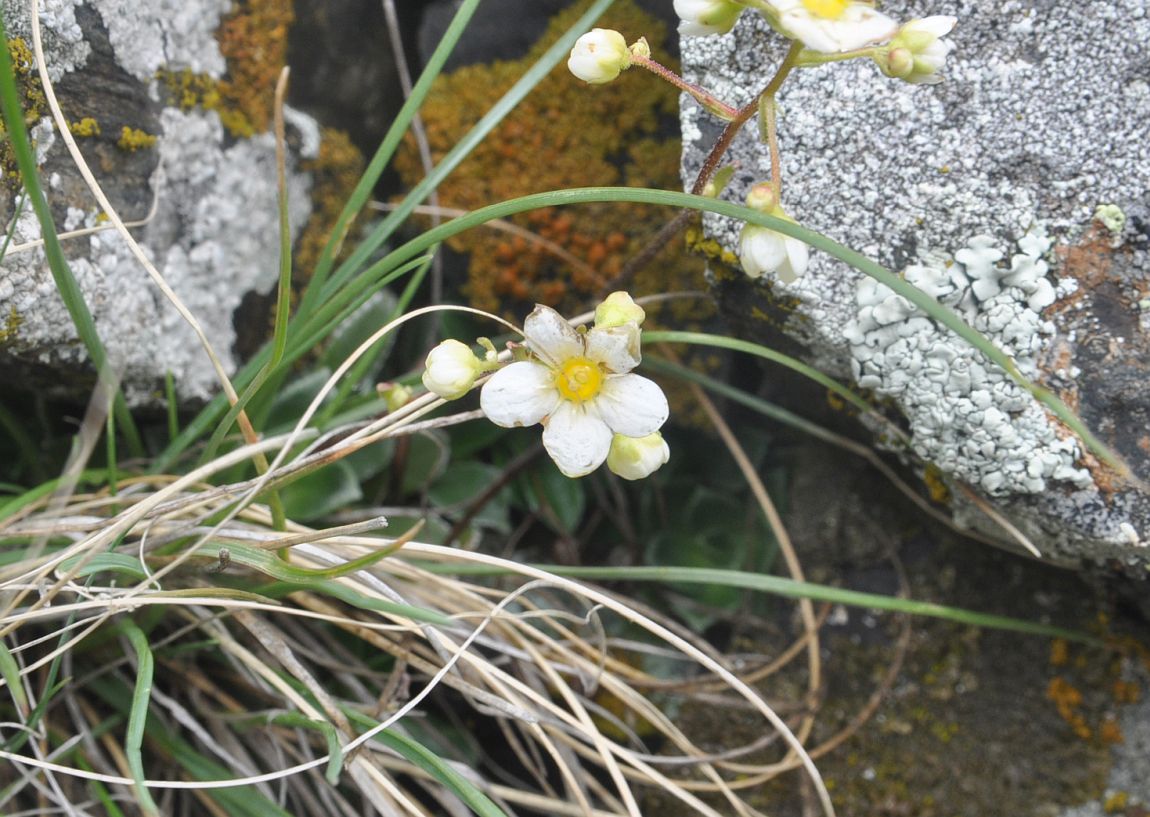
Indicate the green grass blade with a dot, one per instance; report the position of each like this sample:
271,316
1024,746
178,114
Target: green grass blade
10,672
542,67
363,190
94,477
65,282
298,720
737,345
138,715
929,305
435,766
788,588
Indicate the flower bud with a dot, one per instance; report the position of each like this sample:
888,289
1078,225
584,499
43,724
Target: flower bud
637,457
617,309
699,18
451,370
599,56
762,197
918,52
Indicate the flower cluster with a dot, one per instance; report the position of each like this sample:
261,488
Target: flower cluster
578,384
821,31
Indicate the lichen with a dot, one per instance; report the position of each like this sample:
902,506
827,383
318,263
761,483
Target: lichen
32,102
564,134
253,39
133,139
85,127
334,172
11,330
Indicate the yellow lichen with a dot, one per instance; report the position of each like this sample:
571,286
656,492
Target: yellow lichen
85,127
936,485
564,134
133,139
32,102
11,328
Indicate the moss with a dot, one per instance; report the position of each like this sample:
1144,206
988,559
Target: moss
564,134
133,139
86,127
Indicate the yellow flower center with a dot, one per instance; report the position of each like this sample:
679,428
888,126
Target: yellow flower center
579,379
829,9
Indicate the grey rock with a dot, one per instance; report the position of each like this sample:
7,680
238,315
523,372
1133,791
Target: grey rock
213,235
983,190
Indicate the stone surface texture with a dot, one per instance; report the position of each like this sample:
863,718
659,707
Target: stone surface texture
985,192
214,231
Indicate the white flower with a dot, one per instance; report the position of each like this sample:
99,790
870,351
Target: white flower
831,26
451,369
918,52
762,250
698,18
599,56
638,457
579,386
617,309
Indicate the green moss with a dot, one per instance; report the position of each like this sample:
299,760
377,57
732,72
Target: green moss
133,139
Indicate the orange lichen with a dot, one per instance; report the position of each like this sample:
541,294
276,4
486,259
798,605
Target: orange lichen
334,172
936,485
253,39
564,134
1059,652
1110,733
1068,700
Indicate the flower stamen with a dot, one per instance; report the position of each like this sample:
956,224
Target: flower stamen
578,379
827,9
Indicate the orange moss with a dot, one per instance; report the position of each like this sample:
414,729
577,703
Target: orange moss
564,134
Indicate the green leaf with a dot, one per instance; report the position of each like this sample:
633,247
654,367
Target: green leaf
321,492
426,459
558,500
365,321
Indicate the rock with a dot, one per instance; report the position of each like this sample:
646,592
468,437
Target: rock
170,109
983,190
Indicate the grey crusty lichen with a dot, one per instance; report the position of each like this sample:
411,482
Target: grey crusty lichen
976,189
214,235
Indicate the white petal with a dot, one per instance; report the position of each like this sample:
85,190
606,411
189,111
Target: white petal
617,347
632,405
796,264
550,336
577,439
760,250
939,25
521,394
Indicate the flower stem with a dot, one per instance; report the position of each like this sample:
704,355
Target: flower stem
768,115
715,106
